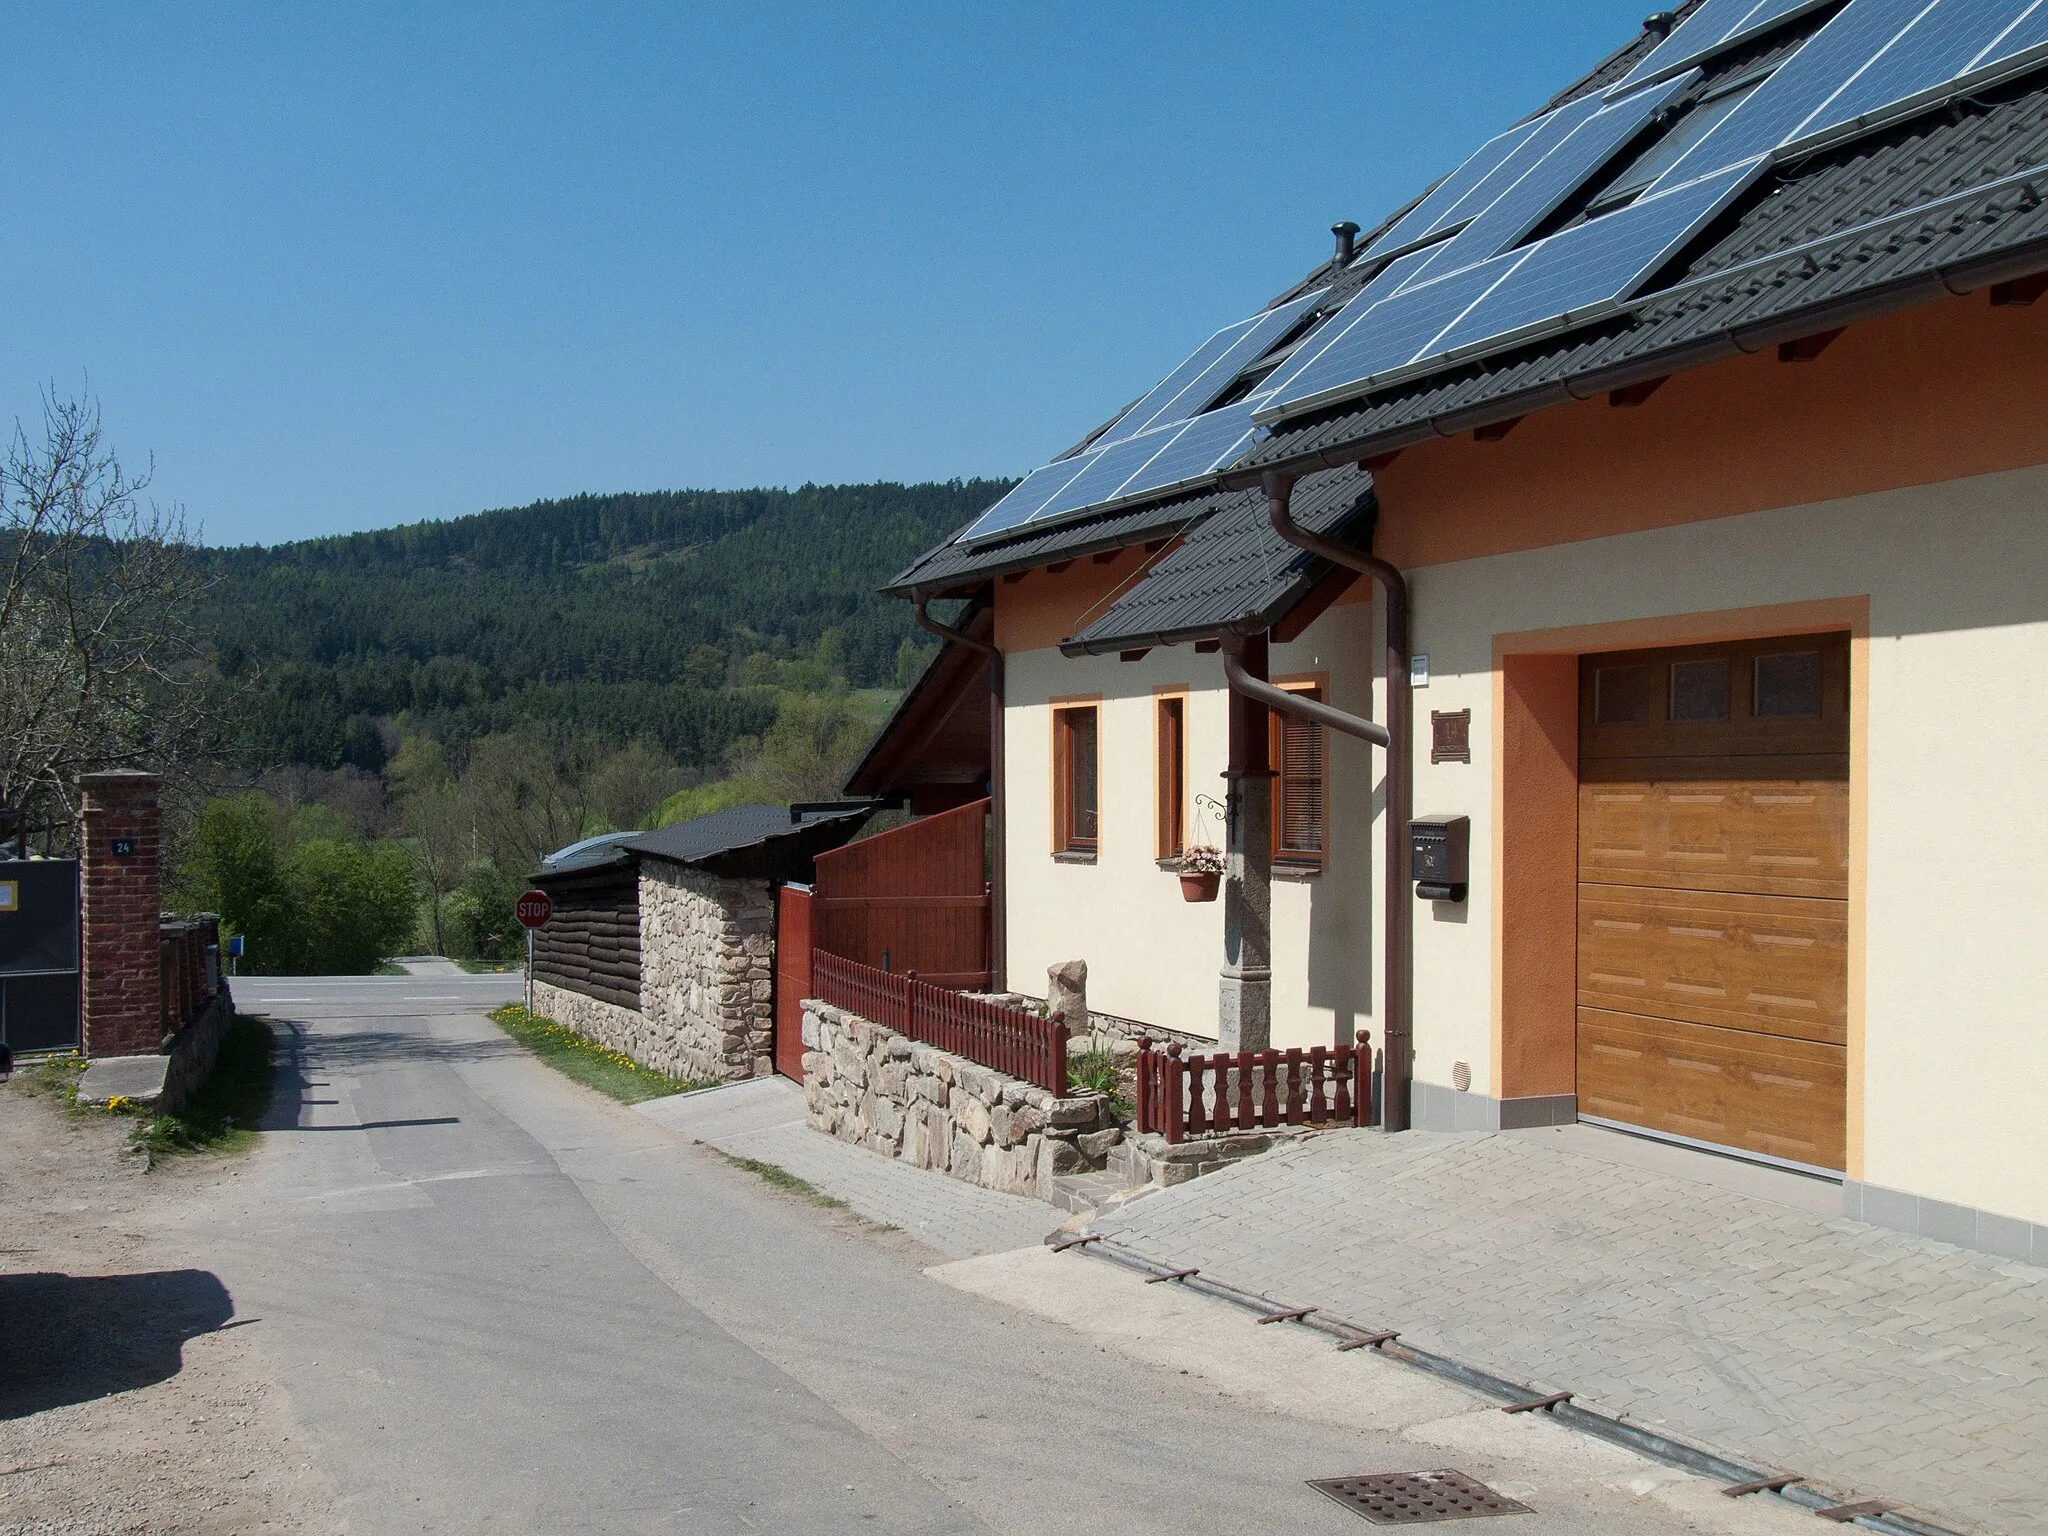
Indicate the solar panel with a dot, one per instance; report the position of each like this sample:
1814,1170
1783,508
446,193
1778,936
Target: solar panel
1206,443
1392,333
1798,88
1714,28
1571,163
1956,46
1936,47
1577,273
1026,497
1107,469
1212,368
1434,212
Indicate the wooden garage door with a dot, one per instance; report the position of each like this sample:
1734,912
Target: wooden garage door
1713,893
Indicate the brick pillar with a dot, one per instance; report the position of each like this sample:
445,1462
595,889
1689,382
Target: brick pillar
121,879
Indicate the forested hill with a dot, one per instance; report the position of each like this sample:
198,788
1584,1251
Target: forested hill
640,616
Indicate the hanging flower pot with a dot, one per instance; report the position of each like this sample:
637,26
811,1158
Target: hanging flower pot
1201,873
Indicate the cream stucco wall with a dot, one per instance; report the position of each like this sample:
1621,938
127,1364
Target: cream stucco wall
1152,956
1952,1070
1949,1064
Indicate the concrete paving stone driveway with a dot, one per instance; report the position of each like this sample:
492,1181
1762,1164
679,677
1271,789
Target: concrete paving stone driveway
1698,1297
764,1119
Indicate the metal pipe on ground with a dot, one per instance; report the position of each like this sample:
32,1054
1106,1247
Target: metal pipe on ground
1398,970
998,907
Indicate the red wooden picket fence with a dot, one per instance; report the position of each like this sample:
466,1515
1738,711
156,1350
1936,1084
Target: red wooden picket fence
1007,1040
1182,1096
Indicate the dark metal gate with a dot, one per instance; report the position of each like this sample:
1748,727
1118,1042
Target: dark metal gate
39,954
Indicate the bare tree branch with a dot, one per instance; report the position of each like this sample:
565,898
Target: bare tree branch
99,665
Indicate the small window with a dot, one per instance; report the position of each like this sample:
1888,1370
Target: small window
1074,811
1699,689
1621,695
1301,765
1171,732
1788,686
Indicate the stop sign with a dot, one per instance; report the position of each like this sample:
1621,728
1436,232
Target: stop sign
533,909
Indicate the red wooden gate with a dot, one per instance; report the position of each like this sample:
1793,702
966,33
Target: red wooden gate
912,899
792,976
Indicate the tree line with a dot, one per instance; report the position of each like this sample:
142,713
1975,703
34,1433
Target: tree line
625,617
369,741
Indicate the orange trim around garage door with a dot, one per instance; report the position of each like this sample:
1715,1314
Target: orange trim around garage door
1536,814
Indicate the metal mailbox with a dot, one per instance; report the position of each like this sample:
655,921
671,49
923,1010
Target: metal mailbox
1439,856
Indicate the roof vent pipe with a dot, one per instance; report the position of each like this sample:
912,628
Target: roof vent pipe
1659,23
1347,241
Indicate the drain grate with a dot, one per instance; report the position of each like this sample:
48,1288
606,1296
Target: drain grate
1408,1498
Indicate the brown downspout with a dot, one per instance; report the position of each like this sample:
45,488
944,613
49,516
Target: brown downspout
1400,916
1244,1015
998,859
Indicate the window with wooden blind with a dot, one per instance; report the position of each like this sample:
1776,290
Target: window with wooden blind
1075,779
1300,761
1170,794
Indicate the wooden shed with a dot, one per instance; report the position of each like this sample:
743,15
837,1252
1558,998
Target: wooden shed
662,943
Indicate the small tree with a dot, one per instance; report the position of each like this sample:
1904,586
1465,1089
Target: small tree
99,667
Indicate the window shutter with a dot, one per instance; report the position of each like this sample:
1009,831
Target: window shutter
1301,764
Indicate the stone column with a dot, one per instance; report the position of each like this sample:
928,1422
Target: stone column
1244,1019
121,882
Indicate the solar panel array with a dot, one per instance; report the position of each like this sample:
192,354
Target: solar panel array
1169,436
1481,290
1458,275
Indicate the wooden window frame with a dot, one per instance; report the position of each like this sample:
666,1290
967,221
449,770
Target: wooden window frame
1317,685
1066,845
1170,773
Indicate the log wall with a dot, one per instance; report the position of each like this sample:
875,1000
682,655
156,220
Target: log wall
592,943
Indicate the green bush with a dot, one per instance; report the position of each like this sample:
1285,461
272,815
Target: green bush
307,897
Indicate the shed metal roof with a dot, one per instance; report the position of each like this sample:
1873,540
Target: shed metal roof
746,839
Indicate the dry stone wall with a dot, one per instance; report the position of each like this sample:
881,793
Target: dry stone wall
707,970
707,980
875,1088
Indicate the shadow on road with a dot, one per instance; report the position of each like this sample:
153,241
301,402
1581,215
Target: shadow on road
75,1338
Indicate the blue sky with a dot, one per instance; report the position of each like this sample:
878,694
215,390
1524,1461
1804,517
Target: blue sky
345,266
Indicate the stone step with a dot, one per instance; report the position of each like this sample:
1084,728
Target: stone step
1082,1193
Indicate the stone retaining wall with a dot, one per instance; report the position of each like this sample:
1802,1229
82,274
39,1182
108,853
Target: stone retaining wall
707,980
875,1088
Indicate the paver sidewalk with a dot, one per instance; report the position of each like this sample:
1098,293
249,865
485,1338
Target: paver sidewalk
1873,1361
764,1119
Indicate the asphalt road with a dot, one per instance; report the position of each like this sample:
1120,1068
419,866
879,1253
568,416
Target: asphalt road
499,1302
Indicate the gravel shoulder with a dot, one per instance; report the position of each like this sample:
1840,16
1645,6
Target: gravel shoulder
126,1405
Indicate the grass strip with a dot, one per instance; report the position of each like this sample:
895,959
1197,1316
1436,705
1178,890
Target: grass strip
582,1059
226,1112
491,967
53,1076
784,1180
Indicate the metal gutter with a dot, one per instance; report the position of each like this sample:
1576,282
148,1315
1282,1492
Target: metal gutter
1397,738
1952,281
998,906
1733,1475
